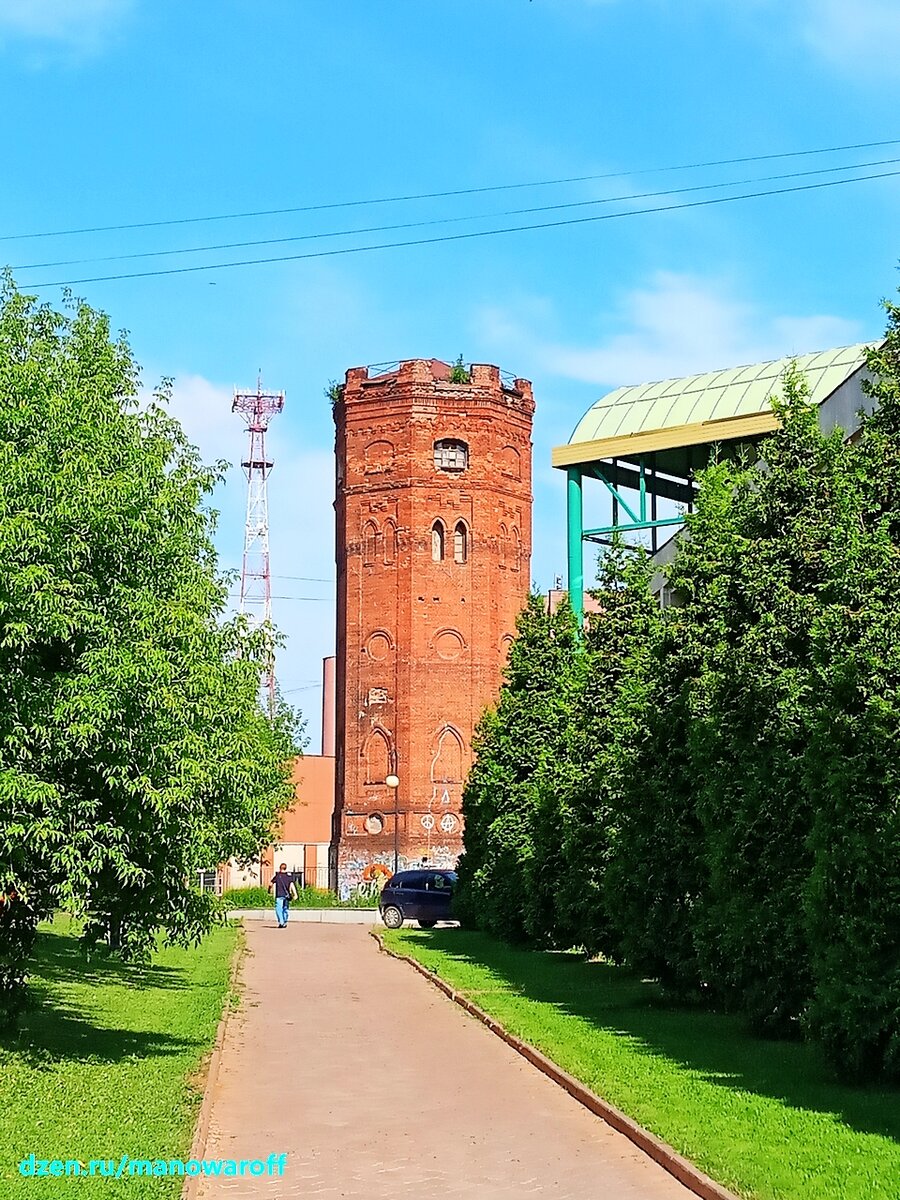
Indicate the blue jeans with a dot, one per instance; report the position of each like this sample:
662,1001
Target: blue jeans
281,909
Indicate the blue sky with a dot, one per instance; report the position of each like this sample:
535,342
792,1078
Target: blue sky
133,111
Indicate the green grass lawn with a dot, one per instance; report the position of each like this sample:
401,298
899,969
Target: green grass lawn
762,1117
103,1063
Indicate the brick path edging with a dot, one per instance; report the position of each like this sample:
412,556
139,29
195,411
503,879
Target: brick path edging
201,1129
683,1170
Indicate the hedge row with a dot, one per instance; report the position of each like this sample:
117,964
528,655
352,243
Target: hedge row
709,793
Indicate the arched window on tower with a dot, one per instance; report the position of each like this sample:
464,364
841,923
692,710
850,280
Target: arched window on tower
510,462
460,543
378,756
390,543
503,544
515,549
370,542
437,542
447,763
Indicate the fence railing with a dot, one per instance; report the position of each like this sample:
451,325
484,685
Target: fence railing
211,880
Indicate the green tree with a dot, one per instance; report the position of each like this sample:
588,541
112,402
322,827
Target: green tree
755,847
459,372
600,744
132,748
729,727
853,895
499,871
756,697
655,870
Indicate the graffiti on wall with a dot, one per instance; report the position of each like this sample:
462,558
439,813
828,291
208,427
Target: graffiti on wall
360,875
365,876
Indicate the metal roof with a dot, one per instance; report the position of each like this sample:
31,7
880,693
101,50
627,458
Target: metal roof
676,412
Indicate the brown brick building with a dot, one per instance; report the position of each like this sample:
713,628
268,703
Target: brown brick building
433,508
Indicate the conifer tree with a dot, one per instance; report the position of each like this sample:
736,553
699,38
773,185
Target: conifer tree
714,850
600,743
749,741
853,896
500,798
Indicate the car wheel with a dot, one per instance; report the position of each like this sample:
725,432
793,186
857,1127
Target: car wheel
392,917
427,924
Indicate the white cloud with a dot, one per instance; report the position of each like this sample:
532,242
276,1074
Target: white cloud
301,530
860,37
675,325
79,24
301,519
865,32
204,410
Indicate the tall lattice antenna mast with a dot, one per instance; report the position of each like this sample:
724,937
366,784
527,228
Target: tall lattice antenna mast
257,408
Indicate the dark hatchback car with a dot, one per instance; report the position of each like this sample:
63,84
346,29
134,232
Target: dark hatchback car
425,896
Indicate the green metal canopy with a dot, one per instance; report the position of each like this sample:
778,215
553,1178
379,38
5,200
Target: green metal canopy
698,409
653,436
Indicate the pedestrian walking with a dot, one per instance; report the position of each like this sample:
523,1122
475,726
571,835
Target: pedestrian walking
284,891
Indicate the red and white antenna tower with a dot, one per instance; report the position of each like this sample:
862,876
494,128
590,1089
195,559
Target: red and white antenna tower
257,408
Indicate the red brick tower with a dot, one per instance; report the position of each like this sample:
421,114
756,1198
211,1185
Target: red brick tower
433,507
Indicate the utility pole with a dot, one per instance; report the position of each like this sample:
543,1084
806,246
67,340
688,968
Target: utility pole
257,409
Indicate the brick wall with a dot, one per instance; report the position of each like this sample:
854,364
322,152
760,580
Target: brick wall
433,562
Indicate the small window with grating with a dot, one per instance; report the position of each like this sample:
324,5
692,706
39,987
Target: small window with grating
450,454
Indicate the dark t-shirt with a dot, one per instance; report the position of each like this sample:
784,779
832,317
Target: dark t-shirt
283,883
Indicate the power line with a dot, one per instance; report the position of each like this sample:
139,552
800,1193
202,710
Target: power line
501,187
314,599
514,212
304,578
458,237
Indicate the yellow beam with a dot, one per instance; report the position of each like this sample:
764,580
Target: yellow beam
630,445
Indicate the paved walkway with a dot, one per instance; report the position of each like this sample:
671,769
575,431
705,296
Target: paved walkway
379,1087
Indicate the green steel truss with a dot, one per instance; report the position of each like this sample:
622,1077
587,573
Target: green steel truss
641,517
